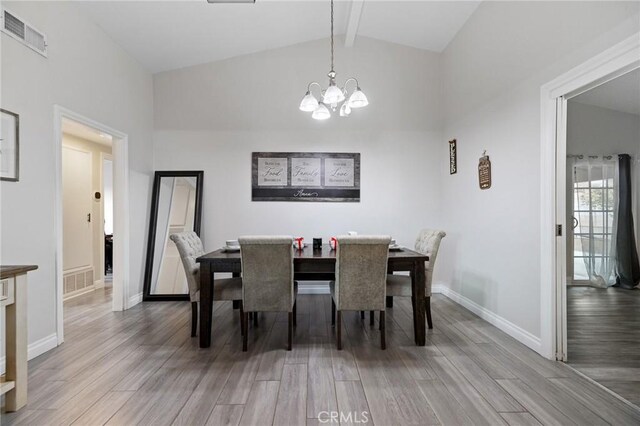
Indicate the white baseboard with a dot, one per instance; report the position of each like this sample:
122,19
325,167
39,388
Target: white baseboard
98,284
36,348
80,292
518,333
315,288
134,300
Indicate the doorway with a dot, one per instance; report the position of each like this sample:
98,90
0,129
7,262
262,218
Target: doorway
81,218
85,173
614,62
617,61
603,145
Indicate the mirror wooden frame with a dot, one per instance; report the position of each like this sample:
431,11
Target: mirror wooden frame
153,224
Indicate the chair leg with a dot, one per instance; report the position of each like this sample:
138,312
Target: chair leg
371,318
389,301
339,331
383,331
246,331
361,314
194,318
255,319
427,309
241,319
290,331
333,312
295,313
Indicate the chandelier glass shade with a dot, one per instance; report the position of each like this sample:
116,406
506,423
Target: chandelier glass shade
333,97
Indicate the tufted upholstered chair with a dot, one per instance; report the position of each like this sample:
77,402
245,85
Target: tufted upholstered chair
190,248
360,285
428,243
267,278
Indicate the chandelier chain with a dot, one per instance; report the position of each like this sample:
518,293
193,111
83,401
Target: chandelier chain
331,35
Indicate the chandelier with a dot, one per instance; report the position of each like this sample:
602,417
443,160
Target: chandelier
333,96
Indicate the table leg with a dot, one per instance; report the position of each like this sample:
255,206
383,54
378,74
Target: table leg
418,282
236,303
413,305
206,304
16,349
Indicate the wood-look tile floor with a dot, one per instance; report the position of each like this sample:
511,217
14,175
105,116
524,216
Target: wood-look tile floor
603,332
141,367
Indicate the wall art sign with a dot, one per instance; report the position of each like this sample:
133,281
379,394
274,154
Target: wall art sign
306,172
272,171
453,157
9,145
339,172
305,176
484,171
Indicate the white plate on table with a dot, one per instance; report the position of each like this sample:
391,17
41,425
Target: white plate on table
395,247
228,249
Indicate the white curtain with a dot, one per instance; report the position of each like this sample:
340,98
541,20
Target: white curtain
594,195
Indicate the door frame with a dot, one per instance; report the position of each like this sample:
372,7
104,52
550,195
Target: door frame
120,153
613,62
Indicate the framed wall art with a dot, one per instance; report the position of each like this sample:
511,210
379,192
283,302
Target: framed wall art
484,171
305,176
9,145
453,157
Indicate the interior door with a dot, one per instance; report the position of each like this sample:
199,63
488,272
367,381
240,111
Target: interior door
76,204
561,230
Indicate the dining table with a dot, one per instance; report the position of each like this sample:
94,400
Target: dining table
311,265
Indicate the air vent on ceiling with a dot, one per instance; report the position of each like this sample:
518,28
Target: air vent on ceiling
231,1
23,32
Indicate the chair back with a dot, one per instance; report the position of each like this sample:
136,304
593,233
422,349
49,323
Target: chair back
267,273
190,248
361,272
428,242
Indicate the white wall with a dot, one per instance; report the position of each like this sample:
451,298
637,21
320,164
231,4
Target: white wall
87,73
211,117
492,74
592,130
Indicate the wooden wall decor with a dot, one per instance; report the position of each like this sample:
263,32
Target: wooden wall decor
484,171
453,157
305,176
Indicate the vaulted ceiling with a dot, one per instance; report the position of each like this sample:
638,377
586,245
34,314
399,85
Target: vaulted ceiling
165,35
620,94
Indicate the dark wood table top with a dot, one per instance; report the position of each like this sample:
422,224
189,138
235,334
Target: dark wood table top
326,254
7,271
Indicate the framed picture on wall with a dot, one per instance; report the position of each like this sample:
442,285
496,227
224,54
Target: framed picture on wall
305,176
9,145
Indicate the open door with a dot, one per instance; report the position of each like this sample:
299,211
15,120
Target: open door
561,229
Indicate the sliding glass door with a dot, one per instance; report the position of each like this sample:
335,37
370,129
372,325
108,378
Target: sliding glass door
594,198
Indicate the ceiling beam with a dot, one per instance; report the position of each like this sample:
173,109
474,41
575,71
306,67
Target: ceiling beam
353,22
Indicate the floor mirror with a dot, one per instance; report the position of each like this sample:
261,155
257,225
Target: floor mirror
176,207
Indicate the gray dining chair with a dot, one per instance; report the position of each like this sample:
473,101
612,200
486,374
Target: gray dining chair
190,248
427,243
360,285
267,279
